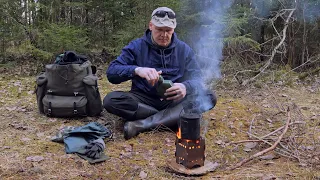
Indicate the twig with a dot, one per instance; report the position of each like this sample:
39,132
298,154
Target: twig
290,155
279,149
245,141
280,128
268,149
251,124
305,63
236,75
284,32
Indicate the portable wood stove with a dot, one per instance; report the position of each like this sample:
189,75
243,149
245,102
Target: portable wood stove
190,146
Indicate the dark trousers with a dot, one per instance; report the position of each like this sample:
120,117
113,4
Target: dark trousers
125,104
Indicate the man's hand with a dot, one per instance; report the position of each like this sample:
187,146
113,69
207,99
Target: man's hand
177,92
150,74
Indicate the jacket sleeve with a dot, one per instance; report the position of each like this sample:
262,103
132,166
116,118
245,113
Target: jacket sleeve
122,68
192,75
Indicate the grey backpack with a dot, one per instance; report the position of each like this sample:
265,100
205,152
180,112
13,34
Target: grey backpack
68,90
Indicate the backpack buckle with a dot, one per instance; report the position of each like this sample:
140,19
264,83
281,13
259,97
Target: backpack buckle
75,111
49,109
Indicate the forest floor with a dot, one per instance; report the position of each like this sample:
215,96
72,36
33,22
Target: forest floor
242,113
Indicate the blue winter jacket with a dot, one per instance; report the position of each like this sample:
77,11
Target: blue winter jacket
177,63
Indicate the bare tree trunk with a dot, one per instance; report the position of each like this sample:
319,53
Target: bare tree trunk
291,49
71,15
40,15
87,19
34,12
145,15
51,13
87,14
29,12
57,14
104,29
63,11
262,40
25,11
304,38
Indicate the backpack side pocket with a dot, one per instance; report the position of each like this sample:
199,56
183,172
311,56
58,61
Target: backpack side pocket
64,106
94,105
41,89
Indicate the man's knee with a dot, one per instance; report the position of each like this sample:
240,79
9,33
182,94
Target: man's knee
108,104
213,98
204,101
120,103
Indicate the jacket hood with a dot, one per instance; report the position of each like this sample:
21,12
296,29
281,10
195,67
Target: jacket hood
147,38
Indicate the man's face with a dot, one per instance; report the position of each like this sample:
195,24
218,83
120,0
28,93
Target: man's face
161,35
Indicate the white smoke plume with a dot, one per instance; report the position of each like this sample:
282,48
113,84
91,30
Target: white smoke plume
210,45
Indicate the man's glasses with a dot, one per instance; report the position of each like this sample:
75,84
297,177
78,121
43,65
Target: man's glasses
162,14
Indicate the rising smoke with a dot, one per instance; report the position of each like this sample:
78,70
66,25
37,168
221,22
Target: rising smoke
311,10
209,46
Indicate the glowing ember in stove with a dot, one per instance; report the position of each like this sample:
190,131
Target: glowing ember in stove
179,133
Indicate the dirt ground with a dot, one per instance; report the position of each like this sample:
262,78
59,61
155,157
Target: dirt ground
26,151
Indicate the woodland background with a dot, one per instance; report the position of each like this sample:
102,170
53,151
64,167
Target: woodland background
262,54
42,29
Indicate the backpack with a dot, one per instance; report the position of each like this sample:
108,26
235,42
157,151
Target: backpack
68,89
70,57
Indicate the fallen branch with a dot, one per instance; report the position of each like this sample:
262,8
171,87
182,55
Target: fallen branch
308,62
280,128
275,50
306,74
268,149
289,153
244,141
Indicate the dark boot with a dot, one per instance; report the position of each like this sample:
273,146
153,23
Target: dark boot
143,111
167,117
